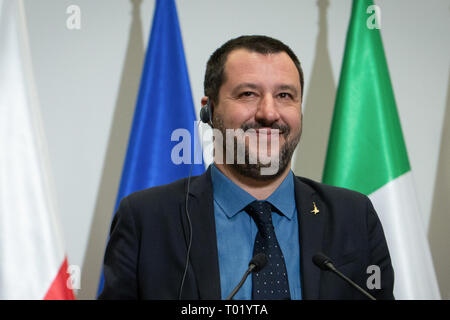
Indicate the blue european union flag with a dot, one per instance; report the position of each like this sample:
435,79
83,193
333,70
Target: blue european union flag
164,105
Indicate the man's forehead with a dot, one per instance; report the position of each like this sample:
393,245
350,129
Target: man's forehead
242,55
245,62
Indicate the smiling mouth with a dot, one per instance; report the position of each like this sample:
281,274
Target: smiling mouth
264,128
269,131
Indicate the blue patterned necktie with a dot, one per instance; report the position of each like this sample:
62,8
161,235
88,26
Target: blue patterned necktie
271,283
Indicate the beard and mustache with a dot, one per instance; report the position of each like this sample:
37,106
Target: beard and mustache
258,170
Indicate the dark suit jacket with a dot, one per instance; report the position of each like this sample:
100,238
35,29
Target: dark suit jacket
146,254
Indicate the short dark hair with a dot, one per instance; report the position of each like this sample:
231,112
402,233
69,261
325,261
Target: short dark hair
214,75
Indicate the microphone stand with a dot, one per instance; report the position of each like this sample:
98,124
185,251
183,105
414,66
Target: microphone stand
235,290
336,271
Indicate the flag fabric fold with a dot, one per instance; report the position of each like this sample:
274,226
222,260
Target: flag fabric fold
164,116
367,153
33,264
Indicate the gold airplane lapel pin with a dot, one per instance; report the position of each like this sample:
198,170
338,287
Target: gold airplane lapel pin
315,210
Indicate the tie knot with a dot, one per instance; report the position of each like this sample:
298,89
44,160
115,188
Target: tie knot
261,212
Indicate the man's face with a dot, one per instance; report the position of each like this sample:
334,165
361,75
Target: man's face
261,92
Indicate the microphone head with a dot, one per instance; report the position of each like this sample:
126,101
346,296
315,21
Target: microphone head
321,261
259,261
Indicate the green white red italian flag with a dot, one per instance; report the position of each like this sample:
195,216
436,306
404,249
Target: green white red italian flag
367,153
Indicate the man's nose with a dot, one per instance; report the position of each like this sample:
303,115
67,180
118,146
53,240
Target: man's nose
267,111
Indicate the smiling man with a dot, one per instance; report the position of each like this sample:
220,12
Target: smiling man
193,239
260,90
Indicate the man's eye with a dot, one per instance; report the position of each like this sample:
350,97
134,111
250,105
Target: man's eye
285,95
246,94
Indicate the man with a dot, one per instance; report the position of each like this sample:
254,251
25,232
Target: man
193,239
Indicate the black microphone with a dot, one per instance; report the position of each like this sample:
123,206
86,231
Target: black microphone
257,263
325,263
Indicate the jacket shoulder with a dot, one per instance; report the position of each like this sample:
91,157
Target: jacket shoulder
175,191
341,202
332,192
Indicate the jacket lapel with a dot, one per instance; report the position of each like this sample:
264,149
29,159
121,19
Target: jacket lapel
311,227
203,255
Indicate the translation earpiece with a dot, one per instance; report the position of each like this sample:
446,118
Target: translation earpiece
205,113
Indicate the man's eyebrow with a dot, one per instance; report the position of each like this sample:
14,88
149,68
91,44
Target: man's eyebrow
250,85
288,87
244,85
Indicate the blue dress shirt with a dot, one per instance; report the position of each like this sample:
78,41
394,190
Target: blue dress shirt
236,232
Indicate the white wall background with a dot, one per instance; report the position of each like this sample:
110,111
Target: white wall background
87,89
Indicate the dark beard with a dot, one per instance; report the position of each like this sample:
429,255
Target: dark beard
253,170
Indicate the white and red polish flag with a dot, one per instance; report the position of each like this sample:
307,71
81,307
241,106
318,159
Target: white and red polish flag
33,264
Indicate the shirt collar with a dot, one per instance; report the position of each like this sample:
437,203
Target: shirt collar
229,196
283,198
233,199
